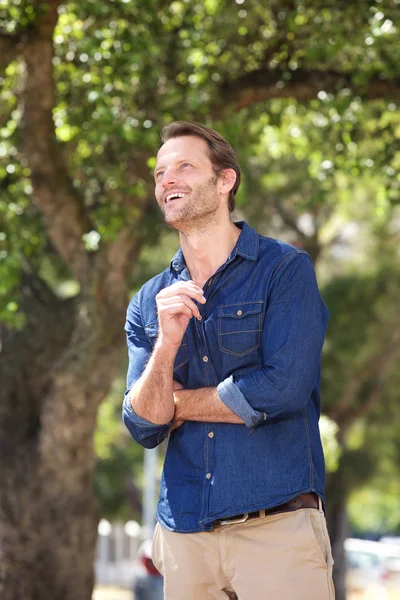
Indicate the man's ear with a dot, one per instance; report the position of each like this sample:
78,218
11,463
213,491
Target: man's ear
227,180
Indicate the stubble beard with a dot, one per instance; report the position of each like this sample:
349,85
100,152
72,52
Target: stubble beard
199,211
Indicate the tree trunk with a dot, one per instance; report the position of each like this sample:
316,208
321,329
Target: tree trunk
337,523
338,531
54,374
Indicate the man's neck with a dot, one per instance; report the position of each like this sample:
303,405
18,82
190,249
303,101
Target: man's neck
205,251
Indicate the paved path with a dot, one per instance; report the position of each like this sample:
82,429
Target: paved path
111,593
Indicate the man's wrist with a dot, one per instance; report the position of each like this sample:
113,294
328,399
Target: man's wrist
164,344
166,353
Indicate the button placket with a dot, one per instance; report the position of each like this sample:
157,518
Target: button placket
202,349
200,324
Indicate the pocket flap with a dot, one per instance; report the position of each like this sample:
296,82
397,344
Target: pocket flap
240,309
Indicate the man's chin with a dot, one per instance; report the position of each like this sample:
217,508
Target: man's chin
174,223
173,219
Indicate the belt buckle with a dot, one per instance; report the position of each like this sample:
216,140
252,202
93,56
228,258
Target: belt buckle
241,519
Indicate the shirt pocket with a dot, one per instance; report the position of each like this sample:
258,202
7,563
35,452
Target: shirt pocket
181,358
239,327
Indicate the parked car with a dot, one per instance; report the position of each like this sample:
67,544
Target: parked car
372,567
392,559
148,582
394,540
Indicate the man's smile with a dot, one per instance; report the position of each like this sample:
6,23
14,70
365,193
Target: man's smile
170,196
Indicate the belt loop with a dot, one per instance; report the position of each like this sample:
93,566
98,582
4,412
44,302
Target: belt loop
262,513
320,508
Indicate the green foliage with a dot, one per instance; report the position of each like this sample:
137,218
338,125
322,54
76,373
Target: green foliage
16,14
332,450
379,496
119,462
361,323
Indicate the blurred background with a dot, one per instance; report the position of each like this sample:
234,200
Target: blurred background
308,94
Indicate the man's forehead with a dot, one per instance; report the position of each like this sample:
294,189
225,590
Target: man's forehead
185,146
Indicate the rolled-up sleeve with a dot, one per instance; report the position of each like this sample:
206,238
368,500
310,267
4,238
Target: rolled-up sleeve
147,434
292,337
233,398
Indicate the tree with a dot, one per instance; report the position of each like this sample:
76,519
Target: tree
86,87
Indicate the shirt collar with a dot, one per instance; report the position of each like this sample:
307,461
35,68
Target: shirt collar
246,246
178,261
248,241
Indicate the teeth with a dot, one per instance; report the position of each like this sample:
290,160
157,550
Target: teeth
175,195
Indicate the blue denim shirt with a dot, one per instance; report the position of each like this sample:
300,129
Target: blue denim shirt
259,342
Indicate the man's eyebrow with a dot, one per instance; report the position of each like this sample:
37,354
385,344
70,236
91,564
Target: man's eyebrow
178,162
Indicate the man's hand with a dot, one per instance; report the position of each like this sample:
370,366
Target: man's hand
175,308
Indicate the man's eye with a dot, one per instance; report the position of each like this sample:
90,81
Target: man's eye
186,165
158,174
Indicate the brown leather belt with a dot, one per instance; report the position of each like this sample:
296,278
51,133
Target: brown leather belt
303,501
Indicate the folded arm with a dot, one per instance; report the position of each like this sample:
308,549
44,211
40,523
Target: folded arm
149,405
203,404
292,339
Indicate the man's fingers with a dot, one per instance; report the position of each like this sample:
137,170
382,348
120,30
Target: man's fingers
175,309
176,386
187,288
175,425
172,302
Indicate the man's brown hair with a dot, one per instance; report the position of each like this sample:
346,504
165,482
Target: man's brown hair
220,151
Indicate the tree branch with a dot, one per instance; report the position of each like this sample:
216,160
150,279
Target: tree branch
62,208
310,243
120,256
376,366
11,46
113,263
288,218
302,84
375,393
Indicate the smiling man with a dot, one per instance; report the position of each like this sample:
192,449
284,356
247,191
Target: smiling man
224,358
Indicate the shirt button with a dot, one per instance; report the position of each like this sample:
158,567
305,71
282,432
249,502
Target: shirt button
208,476
205,358
200,318
211,434
239,313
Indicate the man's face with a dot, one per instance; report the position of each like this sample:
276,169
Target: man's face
186,185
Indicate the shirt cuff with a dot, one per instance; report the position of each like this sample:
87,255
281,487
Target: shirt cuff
146,427
233,398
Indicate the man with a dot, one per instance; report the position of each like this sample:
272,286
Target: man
224,350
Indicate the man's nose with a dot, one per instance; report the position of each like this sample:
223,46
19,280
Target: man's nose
169,178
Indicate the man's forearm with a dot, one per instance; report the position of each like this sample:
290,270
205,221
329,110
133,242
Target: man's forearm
203,404
152,396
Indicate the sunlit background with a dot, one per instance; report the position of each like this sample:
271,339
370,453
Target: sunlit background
308,94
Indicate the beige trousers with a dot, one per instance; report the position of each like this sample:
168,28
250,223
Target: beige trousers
285,556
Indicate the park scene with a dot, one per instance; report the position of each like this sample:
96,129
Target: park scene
307,92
